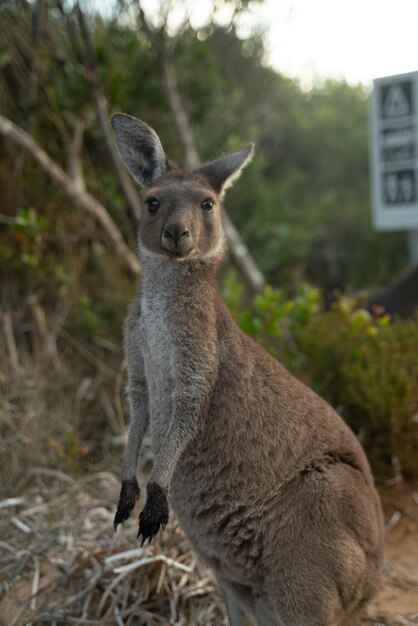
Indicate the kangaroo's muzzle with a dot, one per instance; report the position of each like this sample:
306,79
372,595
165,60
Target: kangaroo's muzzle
176,239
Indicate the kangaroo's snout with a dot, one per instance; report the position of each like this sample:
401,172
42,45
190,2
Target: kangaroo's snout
176,238
175,232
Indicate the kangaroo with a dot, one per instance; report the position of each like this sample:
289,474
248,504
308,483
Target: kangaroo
269,484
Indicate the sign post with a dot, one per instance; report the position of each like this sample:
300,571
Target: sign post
394,156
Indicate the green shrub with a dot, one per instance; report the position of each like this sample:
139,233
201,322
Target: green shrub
366,367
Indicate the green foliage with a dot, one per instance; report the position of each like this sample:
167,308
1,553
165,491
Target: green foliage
264,321
23,238
69,452
232,292
306,303
368,368
271,318
364,366
86,318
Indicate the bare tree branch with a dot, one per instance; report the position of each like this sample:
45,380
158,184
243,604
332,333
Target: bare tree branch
173,96
80,197
75,166
10,341
29,94
104,118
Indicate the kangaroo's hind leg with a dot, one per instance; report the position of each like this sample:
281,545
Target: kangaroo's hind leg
245,608
324,562
264,614
236,615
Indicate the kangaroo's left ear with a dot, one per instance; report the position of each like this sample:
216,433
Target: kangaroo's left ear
224,171
140,149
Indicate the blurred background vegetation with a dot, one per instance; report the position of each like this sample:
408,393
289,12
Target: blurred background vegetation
302,209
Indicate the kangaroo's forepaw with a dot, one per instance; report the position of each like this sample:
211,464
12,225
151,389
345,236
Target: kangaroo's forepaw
129,494
154,514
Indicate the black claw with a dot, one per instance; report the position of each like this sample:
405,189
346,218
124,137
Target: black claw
154,514
129,494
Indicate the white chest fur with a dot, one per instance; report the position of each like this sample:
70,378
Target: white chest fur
158,352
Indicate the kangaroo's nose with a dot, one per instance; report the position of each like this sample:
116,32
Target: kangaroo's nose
175,232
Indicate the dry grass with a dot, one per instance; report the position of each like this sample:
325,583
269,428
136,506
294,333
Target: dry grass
61,563
61,400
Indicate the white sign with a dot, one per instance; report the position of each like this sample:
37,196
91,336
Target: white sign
394,152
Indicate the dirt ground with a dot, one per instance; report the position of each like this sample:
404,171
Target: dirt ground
398,594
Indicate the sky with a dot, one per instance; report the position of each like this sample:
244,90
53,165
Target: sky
357,40
312,40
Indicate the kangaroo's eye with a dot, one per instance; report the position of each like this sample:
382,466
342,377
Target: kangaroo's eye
207,205
153,204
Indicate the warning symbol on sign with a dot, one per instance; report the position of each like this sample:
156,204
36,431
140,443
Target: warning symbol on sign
396,100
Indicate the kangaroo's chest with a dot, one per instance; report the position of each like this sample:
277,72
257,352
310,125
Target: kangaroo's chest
160,363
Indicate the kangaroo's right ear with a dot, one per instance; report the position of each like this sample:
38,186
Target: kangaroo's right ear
140,149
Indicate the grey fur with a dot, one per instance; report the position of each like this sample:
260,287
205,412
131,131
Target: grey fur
269,484
223,172
140,149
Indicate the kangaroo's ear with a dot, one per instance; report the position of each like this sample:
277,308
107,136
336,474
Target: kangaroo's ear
140,149
224,171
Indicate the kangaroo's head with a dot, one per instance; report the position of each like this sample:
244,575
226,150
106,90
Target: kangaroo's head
182,214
